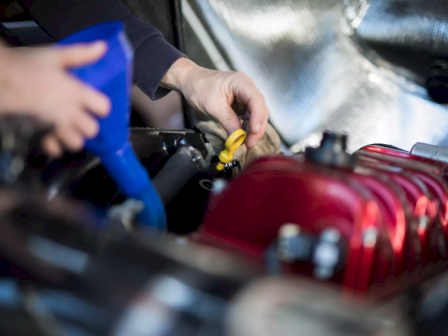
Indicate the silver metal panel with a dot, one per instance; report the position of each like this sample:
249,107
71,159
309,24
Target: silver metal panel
430,151
315,77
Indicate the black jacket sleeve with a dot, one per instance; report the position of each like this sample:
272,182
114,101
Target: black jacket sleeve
10,37
153,55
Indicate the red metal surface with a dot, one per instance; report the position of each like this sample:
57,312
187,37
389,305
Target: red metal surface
278,190
431,175
376,149
398,220
424,206
404,197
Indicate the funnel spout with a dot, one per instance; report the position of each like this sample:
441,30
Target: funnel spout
112,75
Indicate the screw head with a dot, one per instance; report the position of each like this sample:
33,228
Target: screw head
330,235
289,230
370,237
423,222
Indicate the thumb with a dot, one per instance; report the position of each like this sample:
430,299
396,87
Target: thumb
228,119
79,54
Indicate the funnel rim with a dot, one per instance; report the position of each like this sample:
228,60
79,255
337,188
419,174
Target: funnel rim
105,31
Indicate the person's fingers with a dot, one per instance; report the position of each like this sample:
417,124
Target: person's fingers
51,145
79,54
259,114
87,125
257,131
71,139
258,111
227,118
95,101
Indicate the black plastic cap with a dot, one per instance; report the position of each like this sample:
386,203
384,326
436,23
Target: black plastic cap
331,152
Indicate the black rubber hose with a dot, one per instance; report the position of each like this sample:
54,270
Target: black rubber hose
175,174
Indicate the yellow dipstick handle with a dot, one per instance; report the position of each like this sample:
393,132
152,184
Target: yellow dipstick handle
235,140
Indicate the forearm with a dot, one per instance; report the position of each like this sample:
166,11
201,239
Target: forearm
178,74
9,99
153,55
60,18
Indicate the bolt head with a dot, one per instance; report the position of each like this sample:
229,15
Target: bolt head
289,230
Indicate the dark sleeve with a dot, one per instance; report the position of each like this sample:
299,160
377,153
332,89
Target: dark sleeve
153,55
9,37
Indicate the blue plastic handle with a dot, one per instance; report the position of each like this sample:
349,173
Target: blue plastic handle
112,75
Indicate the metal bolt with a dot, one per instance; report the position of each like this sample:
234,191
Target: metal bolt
369,239
126,212
232,165
326,254
330,235
197,158
287,232
423,222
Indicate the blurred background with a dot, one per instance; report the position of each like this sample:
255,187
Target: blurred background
361,67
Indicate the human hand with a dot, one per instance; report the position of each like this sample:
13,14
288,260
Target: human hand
222,95
35,81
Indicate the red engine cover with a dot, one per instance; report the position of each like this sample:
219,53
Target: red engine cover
431,177
391,211
278,190
424,208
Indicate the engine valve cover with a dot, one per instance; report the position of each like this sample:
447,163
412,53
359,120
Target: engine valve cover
372,221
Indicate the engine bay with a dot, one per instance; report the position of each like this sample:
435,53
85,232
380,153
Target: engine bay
189,232
321,242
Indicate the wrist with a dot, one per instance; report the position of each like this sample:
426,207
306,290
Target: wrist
4,51
177,75
10,100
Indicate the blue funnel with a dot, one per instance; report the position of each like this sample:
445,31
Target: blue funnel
112,75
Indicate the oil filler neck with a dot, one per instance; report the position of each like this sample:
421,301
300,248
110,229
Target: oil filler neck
332,151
